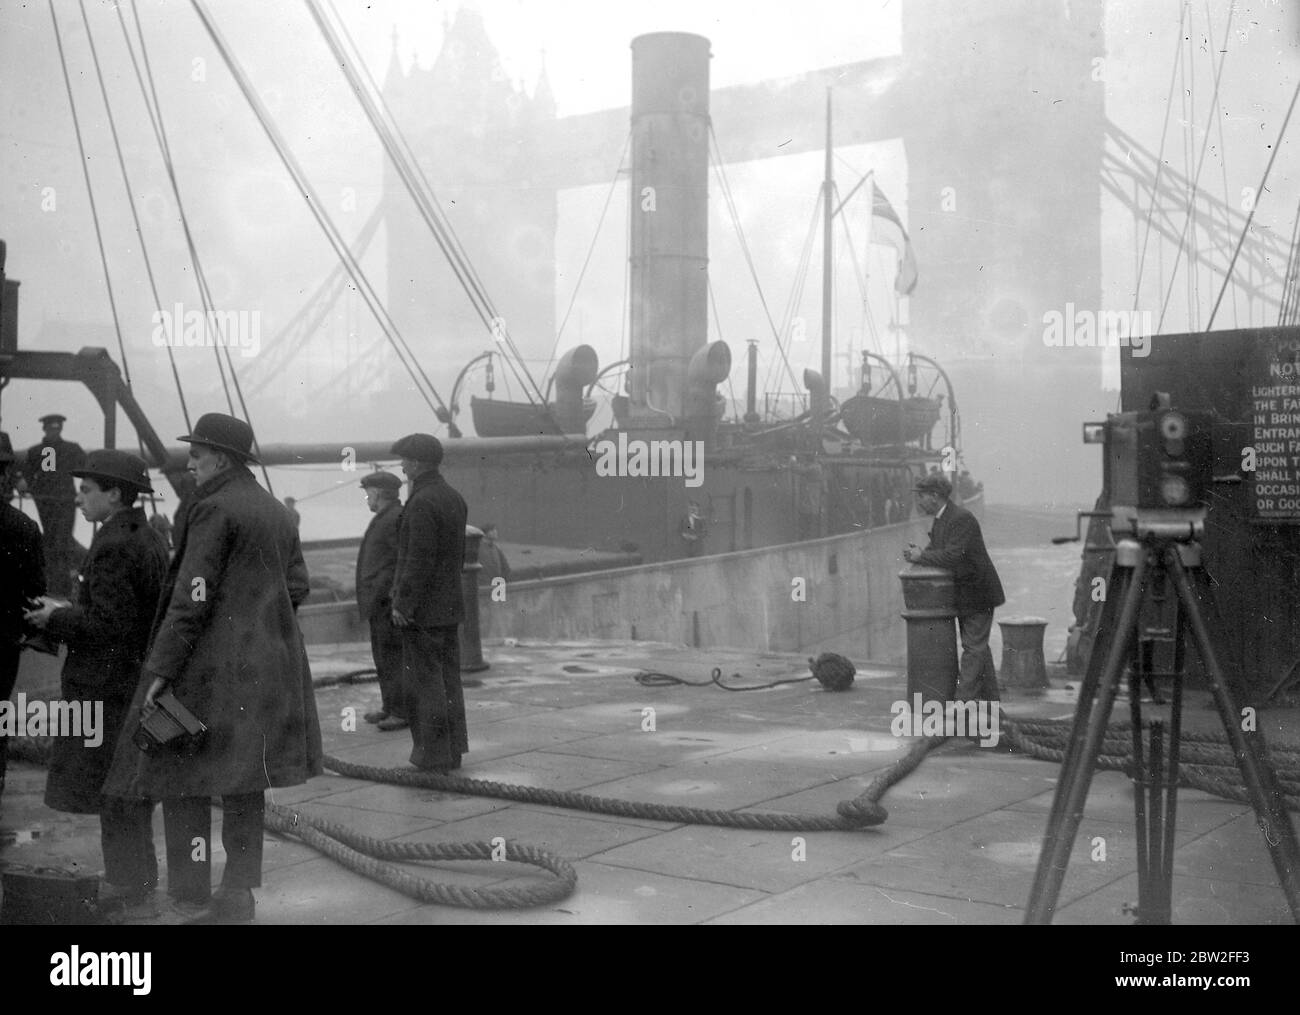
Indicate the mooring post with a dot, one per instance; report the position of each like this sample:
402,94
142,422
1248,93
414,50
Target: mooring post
930,611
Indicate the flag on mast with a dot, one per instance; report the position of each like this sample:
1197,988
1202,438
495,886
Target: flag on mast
892,233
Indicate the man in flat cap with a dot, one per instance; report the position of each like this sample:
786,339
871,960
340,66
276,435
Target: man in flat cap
428,605
376,565
226,642
106,630
957,544
47,476
22,579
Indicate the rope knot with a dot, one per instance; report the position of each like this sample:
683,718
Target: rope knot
833,672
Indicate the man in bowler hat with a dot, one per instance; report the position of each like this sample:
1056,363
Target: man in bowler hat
957,544
376,565
47,476
428,605
226,643
106,630
22,580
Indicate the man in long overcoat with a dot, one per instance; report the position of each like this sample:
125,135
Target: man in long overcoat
376,565
428,606
957,544
22,578
106,630
226,642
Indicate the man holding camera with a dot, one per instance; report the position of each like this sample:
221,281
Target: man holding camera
226,644
106,630
957,545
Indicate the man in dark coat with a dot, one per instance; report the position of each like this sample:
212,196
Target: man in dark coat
957,544
106,630
22,579
47,476
376,565
226,642
428,605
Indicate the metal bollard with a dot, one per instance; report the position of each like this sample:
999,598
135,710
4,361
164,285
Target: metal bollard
930,612
471,646
1022,652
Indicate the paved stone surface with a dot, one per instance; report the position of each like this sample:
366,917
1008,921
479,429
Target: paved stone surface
960,845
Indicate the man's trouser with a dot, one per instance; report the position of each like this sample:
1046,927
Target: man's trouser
434,696
9,656
126,836
187,823
57,517
978,676
386,649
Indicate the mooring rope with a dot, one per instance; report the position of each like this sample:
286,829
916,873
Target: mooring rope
363,853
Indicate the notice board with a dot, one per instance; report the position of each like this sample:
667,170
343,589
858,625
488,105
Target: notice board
1275,405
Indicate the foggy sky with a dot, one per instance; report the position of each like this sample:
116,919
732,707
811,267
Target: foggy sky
262,250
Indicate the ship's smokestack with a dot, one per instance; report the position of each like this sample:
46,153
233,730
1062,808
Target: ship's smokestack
669,227
577,370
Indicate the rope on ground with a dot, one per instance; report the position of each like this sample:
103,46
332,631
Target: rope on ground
652,678
362,854
868,814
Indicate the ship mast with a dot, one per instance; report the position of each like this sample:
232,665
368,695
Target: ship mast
828,190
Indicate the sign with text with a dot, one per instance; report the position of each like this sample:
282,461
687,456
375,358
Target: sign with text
1275,402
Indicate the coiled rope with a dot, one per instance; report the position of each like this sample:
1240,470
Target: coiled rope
363,855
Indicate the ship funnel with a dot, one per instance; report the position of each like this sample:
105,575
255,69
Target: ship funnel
668,241
577,370
709,367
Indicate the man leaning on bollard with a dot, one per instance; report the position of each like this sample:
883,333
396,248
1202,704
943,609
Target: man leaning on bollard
106,630
428,606
957,545
226,643
376,564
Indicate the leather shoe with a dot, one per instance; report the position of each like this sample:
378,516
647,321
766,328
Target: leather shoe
233,905
393,722
373,717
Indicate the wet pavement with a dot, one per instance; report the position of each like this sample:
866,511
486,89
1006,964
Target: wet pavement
959,847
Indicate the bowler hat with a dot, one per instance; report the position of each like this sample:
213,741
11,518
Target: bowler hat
933,483
225,433
419,447
382,481
53,417
117,466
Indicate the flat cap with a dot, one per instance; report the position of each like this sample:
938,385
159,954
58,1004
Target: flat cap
419,447
53,417
933,483
117,466
382,480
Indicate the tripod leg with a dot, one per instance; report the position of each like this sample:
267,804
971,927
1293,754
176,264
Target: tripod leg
1137,670
1090,718
1175,738
1256,772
